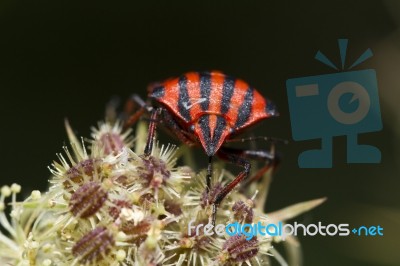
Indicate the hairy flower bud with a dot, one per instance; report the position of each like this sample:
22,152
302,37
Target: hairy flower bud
75,173
237,249
154,172
93,246
242,212
87,200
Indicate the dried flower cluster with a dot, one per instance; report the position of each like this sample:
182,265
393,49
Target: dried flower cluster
109,205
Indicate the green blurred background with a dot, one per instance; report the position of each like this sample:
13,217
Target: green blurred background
64,59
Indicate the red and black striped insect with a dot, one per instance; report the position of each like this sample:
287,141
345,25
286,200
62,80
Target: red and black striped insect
209,109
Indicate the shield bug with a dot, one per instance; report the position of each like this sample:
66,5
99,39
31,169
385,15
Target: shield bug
209,109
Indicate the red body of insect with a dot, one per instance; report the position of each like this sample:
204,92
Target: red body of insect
208,108
211,107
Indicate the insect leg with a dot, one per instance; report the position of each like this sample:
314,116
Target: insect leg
130,105
152,129
241,157
235,159
269,157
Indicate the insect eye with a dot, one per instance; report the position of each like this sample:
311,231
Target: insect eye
191,128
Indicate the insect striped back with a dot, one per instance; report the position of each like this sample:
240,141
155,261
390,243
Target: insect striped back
213,105
196,93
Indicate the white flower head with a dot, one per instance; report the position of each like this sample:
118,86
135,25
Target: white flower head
110,205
